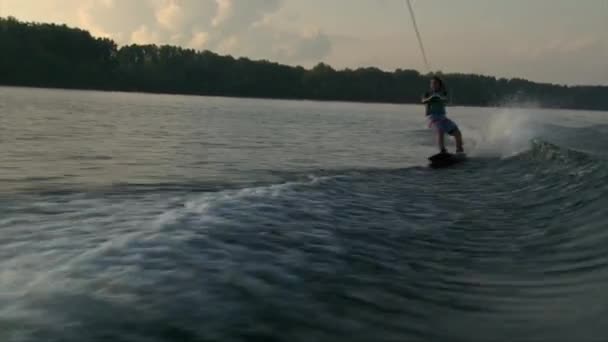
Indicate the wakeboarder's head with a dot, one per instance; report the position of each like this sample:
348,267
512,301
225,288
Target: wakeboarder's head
437,84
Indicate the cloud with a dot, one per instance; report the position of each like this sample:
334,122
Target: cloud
229,45
199,41
309,46
374,33
186,17
224,10
108,3
87,21
143,35
169,16
124,21
242,28
574,59
350,51
557,47
232,17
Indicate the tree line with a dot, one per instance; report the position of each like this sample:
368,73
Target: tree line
49,55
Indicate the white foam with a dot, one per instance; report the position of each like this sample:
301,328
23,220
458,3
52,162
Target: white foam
506,132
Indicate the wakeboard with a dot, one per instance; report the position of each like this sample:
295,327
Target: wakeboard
443,160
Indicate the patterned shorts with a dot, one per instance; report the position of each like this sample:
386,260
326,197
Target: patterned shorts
442,124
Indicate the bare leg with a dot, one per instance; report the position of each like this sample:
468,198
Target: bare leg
441,140
458,137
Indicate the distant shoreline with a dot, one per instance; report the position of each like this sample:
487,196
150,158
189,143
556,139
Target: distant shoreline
59,57
295,100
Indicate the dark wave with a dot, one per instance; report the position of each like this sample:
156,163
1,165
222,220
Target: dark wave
498,249
498,246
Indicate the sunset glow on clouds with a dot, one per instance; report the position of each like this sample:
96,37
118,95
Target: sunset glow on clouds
545,40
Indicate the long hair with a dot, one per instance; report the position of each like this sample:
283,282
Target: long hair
442,87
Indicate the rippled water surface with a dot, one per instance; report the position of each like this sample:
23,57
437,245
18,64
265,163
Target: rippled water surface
130,217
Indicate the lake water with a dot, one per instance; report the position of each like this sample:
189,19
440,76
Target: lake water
132,217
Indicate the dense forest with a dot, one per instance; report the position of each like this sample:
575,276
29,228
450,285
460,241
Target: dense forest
48,55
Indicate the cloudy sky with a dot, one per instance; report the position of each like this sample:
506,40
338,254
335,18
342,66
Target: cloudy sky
563,41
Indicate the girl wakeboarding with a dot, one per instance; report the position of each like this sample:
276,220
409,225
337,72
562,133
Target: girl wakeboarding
436,101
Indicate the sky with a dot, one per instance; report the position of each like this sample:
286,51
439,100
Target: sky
557,41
